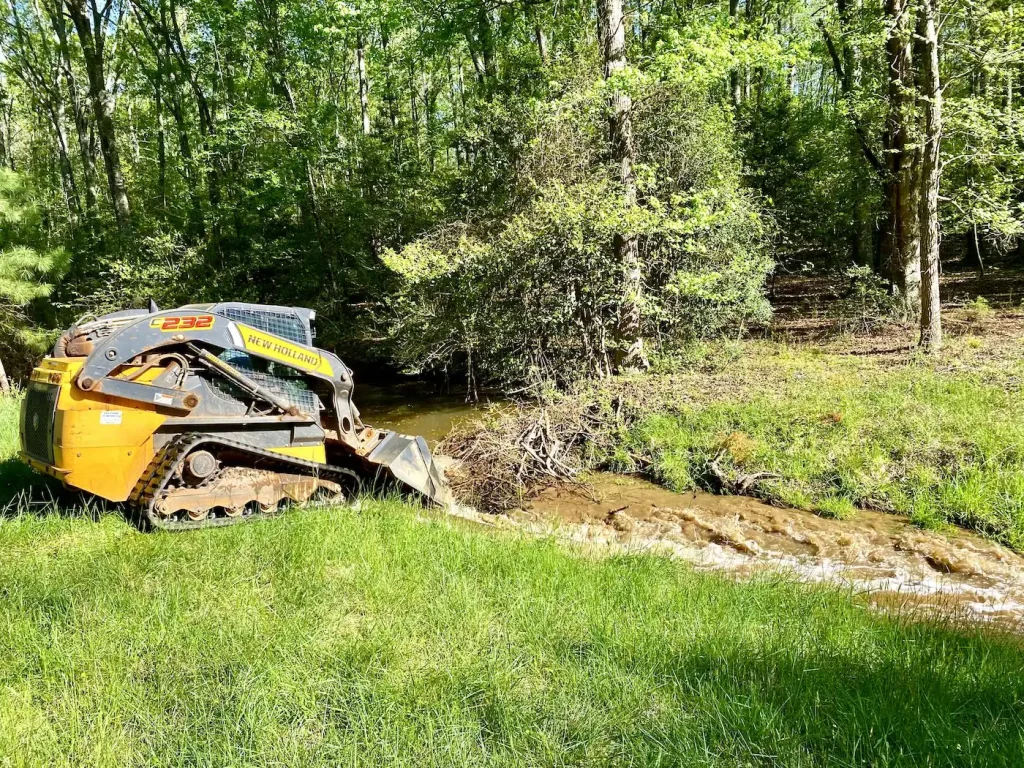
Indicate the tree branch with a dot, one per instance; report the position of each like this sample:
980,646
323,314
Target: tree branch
858,125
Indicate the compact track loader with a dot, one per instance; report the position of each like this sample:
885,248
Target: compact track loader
209,414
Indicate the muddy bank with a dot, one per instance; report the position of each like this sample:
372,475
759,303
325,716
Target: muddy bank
889,562
882,557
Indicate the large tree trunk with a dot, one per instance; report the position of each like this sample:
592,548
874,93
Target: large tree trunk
903,258
103,109
629,332
931,169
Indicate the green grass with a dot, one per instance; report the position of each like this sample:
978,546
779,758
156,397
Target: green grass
939,446
334,637
380,637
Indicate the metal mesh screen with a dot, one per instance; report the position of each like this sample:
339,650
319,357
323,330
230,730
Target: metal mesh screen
284,324
295,391
40,405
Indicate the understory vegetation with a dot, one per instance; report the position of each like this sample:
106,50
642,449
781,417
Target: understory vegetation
335,636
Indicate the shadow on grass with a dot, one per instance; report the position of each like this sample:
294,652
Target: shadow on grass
25,491
777,705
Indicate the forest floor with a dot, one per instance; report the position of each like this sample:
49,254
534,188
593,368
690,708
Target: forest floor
388,635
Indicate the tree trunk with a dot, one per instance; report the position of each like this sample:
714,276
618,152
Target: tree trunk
78,112
103,109
364,85
629,333
734,76
5,384
931,170
67,173
299,141
542,43
161,143
903,257
485,34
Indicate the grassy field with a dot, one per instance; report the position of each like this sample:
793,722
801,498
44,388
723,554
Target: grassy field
384,636
380,637
336,637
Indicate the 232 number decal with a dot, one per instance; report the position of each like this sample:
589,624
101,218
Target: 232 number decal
185,323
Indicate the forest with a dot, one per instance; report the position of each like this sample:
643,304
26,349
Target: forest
500,192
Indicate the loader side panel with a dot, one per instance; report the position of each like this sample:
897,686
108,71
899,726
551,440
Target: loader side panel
104,450
96,443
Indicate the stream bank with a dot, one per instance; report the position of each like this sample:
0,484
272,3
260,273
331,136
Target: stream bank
856,463
885,559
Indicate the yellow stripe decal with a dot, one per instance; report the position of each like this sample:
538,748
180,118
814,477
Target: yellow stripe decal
275,348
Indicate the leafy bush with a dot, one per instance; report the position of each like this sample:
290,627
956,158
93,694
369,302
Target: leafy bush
536,294
868,304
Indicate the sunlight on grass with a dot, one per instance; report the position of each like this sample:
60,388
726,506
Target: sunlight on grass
332,637
9,409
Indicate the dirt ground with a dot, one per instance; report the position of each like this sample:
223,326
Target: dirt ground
805,307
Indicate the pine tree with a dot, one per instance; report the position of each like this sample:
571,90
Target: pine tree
26,272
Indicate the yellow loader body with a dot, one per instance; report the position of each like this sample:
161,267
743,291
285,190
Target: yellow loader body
94,442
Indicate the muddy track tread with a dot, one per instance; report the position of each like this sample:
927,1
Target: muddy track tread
162,469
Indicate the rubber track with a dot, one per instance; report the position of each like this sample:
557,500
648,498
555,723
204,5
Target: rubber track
162,469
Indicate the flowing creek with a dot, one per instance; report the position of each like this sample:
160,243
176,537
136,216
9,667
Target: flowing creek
885,560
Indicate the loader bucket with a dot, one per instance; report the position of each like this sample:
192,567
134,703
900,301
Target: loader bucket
408,460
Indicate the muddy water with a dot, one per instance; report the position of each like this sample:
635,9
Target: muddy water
891,563
413,410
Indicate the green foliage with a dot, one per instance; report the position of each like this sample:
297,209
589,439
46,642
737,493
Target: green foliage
252,173
537,292
26,269
867,304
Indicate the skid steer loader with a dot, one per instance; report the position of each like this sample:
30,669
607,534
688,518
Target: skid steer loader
209,414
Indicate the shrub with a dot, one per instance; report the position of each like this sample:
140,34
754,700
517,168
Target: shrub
537,294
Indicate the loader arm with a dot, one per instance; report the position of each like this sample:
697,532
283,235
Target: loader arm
171,330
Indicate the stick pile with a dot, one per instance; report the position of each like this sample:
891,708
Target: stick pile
521,448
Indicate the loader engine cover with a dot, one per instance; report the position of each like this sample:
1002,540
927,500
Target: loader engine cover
209,414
